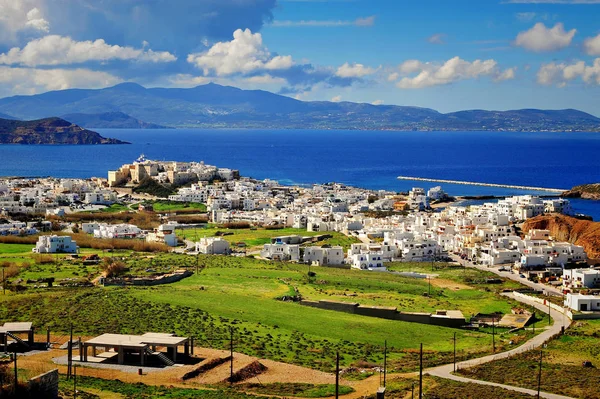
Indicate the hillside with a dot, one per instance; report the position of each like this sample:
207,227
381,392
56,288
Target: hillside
5,116
215,106
110,120
49,131
586,191
565,228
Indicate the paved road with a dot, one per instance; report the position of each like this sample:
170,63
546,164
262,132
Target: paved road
513,276
560,320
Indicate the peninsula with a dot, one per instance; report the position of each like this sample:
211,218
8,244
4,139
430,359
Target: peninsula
49,131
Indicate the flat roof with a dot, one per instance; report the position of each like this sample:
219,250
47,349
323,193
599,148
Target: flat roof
16,327
160,339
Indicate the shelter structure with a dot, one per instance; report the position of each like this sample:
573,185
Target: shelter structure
136,346
15,331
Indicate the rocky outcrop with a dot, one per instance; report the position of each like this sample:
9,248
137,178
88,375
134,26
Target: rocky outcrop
49,131
586,191
566,228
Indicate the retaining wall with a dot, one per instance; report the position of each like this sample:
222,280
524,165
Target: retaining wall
44,385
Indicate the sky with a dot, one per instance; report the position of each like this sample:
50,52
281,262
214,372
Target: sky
447,54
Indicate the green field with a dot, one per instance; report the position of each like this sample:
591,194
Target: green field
242,293
174,206
260,236
562,360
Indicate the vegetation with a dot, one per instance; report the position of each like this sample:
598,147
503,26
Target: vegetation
439,388
177,207
563,370
294,389
143,391
150,186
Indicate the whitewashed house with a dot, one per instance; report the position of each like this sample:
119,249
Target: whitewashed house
289,252
55,244
582,303
213,246
324,256
164,234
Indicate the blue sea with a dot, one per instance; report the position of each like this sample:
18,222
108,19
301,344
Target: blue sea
370,159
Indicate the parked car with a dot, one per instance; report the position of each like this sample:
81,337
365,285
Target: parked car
522,275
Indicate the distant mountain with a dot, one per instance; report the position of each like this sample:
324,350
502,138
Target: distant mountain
49,131
215,106
5,116
110,120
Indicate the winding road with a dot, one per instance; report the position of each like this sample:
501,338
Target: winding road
560,322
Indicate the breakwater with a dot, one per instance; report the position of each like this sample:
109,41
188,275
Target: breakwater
472,183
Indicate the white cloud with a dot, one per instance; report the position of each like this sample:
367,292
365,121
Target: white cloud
393,76
592,45
419,74
507,74
244,54
31,80
265,79
336,99
438,38
377,102
37,21
60,50
540,38
326,23
354,71
21,15
562,73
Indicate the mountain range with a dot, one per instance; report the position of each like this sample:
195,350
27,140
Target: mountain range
216,106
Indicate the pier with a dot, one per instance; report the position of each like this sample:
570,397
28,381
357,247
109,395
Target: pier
472,183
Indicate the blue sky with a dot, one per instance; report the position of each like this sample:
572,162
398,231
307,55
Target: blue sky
446,55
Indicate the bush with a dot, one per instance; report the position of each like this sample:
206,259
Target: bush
235,225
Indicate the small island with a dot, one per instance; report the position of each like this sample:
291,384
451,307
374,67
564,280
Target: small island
49,131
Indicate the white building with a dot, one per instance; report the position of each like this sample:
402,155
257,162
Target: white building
324,256
213,246
367,261
582,303
164,234
108,231
581,278
55,244
289,252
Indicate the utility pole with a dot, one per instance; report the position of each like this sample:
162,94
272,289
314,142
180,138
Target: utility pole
70,353
337,374
421,373
231,355
455,352
493,336
533,313
384,363
540,375
16,373
3,283
75,382
429,285
549,321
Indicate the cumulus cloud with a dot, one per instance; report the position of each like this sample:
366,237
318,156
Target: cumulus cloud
354,71
437,38
417,74
336,99
592,45
562,73
21,15
265,79
244,54
540,38
327,23
60,50
31,80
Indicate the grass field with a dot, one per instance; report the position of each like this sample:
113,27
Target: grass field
173,206
562,359
260,236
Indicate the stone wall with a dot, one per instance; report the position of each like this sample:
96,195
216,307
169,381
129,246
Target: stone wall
44,385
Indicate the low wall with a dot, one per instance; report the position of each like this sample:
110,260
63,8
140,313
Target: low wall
544,302
166,279
388,313
44,385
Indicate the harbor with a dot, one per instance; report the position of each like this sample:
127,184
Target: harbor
470,183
